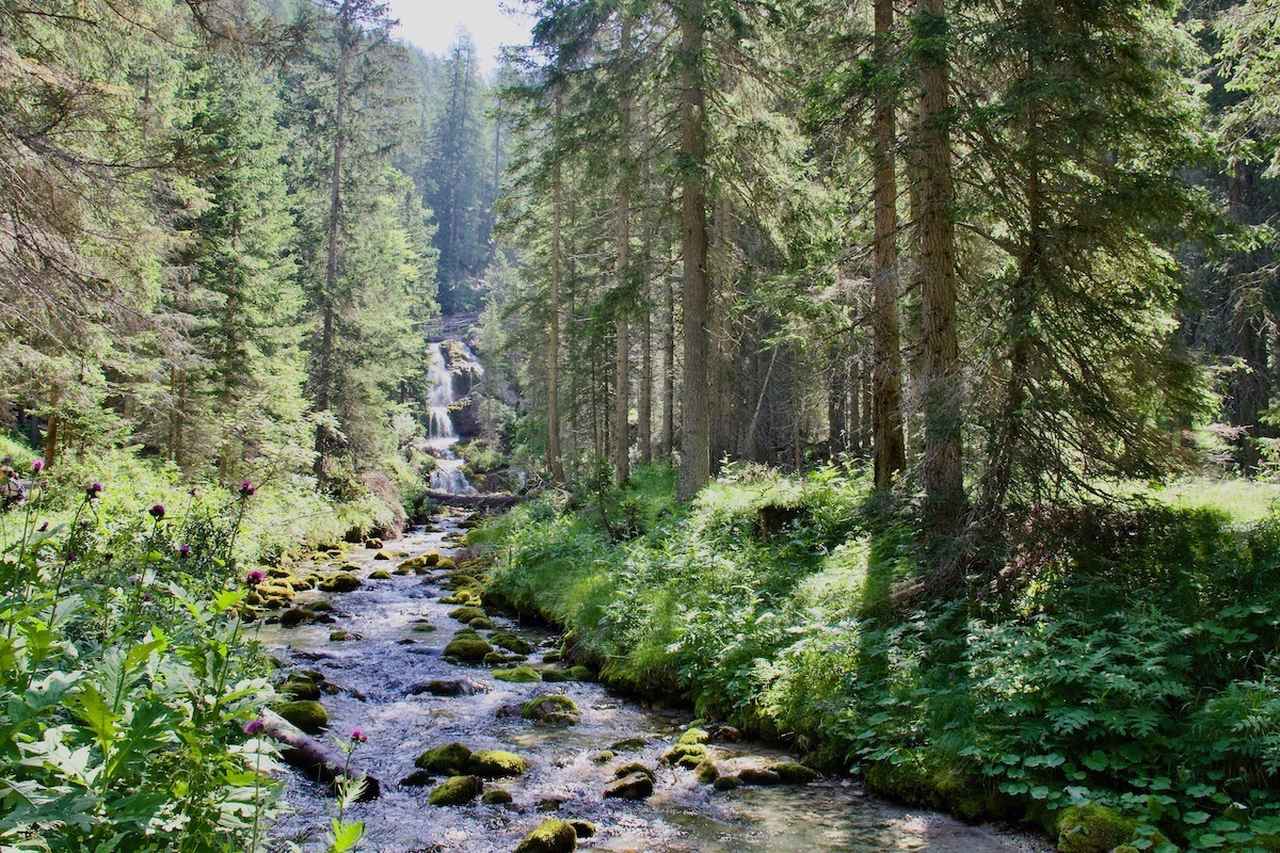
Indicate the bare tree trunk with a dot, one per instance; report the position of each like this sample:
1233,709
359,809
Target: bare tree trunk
325,378
645,403
943,391
669,374
555,463
622,357
695,462
890,447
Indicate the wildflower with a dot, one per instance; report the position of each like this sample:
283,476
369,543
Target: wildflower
37,466
247,488
157,511
72,556
358,735
184,550
255,577
92,490
44,526
254,726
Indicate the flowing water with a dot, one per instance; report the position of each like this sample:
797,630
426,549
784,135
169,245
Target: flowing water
375,675
447,476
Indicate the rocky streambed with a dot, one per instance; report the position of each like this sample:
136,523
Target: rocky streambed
484,740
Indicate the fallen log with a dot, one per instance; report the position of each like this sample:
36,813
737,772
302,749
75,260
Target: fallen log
317,760
489,501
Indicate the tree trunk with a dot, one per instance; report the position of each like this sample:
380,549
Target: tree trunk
645,403
695,463
555,463
890,447
622,356
943,391
669,374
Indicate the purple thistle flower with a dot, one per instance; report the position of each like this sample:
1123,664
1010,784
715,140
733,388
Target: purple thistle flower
72,556
37,465
247,488
184,550
358,735
255,577
254,726
92,490
157,511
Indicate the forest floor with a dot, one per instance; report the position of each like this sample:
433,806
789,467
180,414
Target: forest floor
1112,680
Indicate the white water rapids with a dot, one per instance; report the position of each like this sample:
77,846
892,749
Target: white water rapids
447,476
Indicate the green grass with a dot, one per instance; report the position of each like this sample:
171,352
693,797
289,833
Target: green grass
1126,660
1243,501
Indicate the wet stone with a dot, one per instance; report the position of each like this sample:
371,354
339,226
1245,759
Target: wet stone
456,791
448,687
636,786
551,836
418,779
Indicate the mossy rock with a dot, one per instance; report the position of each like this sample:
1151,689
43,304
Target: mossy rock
458,580
321,606
380,575
307,714
758,776
468,649
466,597
728,783
510,642
551,836
402,571
630,744
481,623
554,675
293,617
707,771
518,675
1092,828
374,543
552,708
580,673
497,764
456,791
503,659
343,636
794,773
584,828
299,687
603,757
340,582
636,786
452,759
685,754
694,736
634,767
423,627
446,563
382,555
466,614
496,797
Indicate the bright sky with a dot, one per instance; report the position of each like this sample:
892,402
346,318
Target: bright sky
432,25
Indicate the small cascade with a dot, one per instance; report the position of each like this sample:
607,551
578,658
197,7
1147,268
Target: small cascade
441,436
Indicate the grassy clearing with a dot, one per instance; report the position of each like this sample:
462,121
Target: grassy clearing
1122,672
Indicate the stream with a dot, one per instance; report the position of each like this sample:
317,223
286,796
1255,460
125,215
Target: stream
375,673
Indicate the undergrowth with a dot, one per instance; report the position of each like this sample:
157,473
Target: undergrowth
1124,664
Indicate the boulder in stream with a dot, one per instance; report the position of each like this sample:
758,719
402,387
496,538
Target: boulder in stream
380,575
496,797
466,614
418,779
456,791
752,775
634,767
551,708
510,642
551,836
707,771
305,714
584,828
497,764
449,687
453,759
340,582
636,786
794,773
518,675
469,649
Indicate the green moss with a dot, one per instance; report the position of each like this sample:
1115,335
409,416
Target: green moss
794,773
630,744
707,771
496,797
471,650
456,791
635,786
554,708
380,575
550,836
453,759
308,715
518,675
694,736
482,623
466,614
497,763
340,582
633,767
685,754
299,687
510,642
1093,828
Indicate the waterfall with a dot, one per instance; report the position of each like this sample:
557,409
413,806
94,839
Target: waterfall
447,476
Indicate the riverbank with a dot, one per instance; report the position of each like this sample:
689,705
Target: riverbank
1085,696
445,689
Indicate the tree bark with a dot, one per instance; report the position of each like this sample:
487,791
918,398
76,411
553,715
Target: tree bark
316,759
555,463
943,391
890,447
669,374
695,462
622,356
